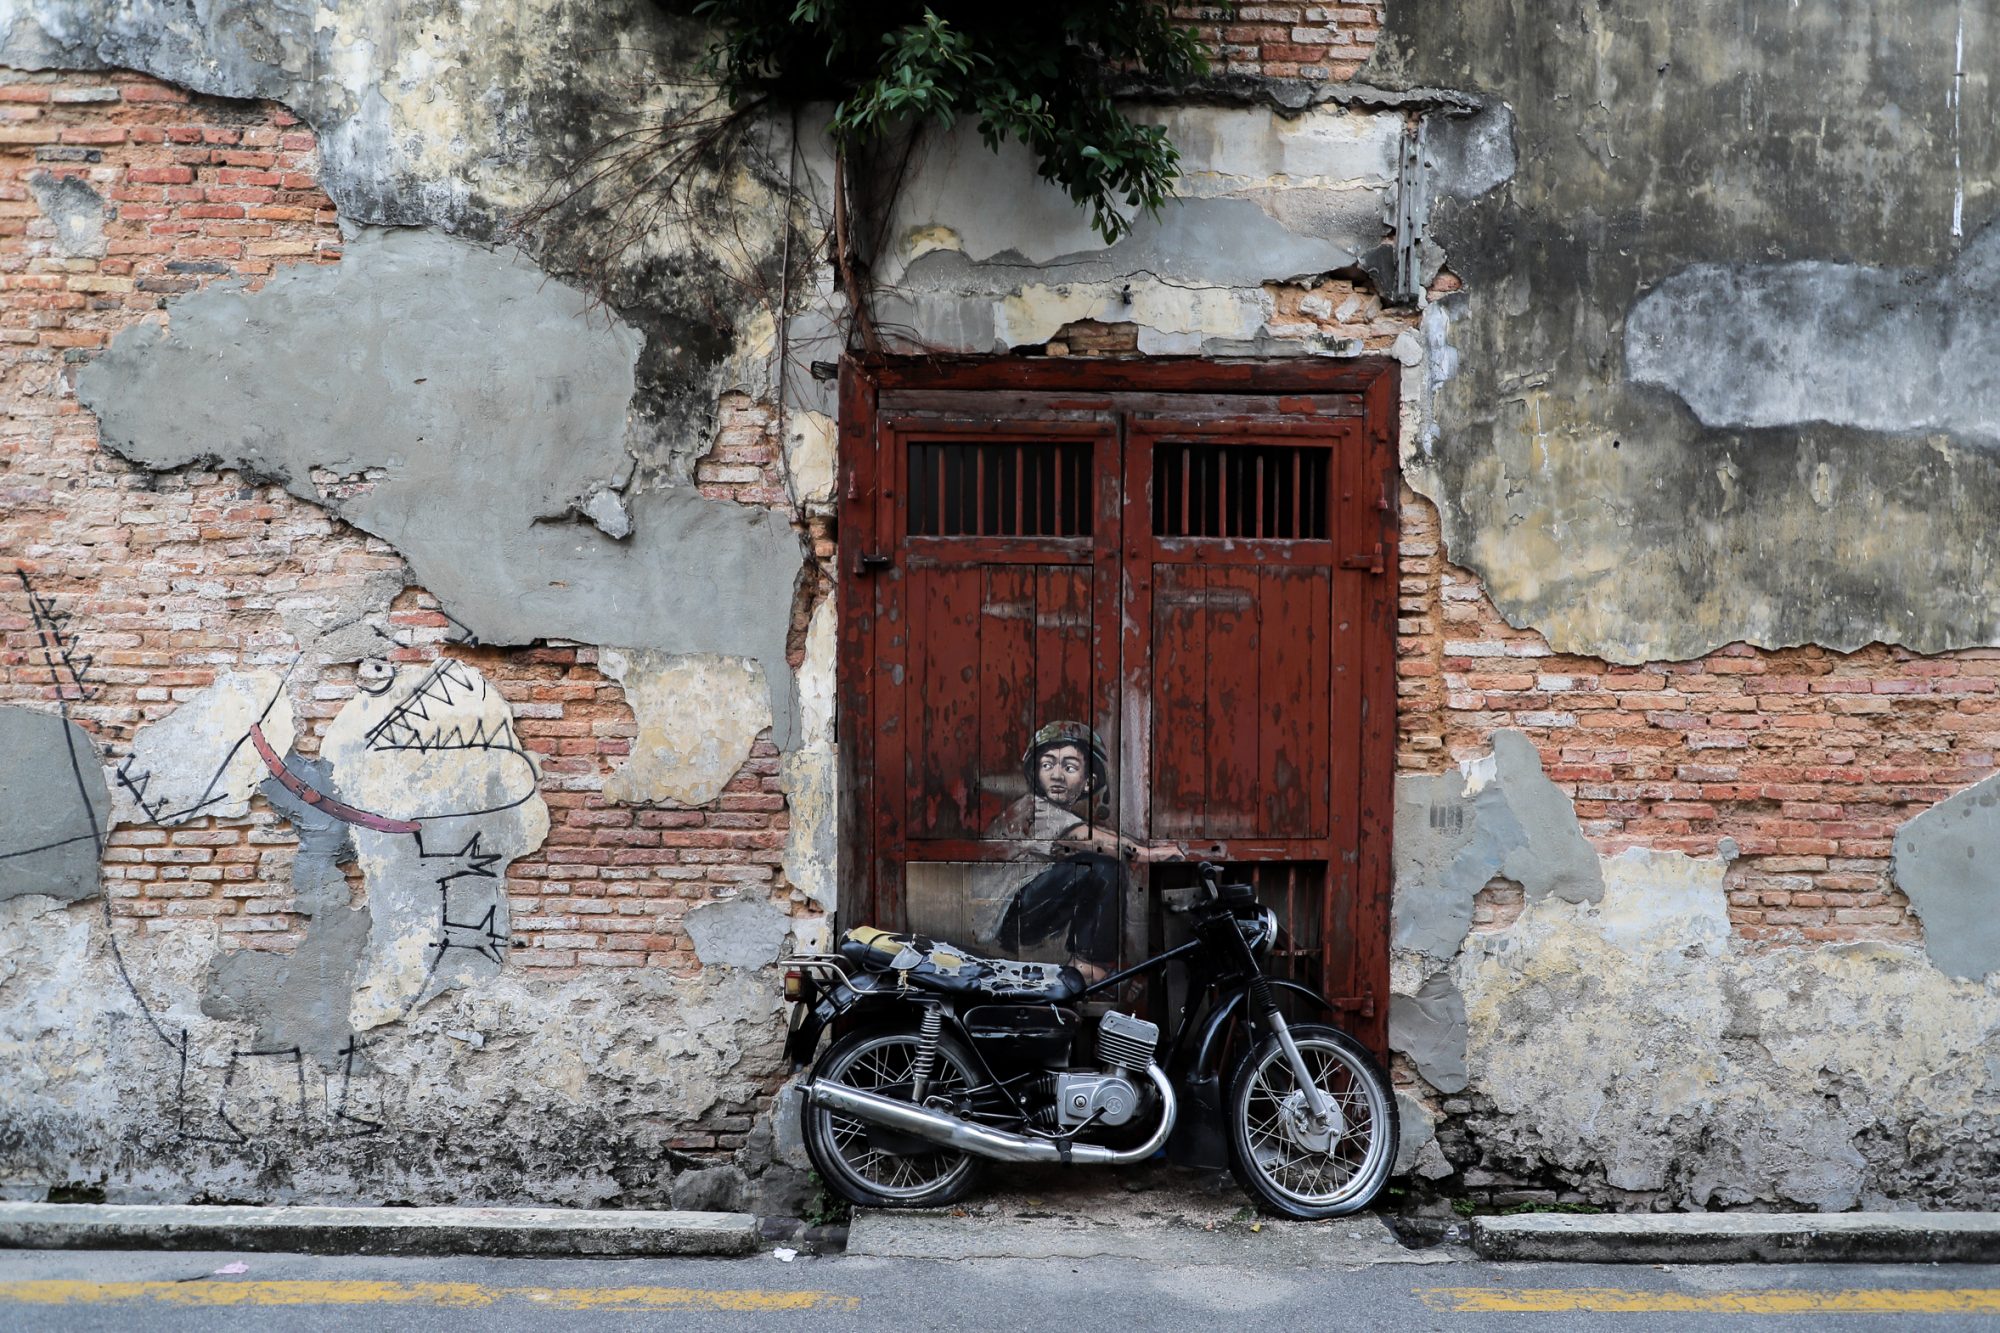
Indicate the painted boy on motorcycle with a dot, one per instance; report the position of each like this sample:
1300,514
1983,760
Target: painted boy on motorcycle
1066,819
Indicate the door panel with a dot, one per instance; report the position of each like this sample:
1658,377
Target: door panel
1239,559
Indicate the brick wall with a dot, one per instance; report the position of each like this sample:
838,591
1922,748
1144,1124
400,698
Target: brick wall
1289,41
174,578
1807,759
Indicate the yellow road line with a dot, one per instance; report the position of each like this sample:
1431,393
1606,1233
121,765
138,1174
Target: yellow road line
450,1295
1611,1300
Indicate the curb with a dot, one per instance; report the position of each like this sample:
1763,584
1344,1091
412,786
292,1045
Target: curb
399,1231
1741,1238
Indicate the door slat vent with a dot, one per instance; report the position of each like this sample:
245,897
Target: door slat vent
1250,491
1000,489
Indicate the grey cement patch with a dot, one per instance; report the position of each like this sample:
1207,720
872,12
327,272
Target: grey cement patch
1498,816
1456,831
76,210
1947,860
300,998
1754,345
1551,855
487,397
743,932
54,807
1429,1027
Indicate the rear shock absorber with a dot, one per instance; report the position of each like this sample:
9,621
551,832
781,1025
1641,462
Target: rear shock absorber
928,1033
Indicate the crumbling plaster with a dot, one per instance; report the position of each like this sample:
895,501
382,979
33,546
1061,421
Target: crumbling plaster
531,1089
981,255
697,716
1722,176
1619,1039
1496,816
461,121
1636,1045
479,403
197,762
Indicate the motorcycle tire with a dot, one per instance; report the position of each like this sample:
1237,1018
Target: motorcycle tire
840,1146
1289,1165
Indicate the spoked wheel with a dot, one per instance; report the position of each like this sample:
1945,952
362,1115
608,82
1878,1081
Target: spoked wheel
879,1168
1297,1165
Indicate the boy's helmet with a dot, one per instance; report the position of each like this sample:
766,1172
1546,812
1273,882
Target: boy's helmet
1057,734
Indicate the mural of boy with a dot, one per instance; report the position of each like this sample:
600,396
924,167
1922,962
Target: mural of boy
1065,819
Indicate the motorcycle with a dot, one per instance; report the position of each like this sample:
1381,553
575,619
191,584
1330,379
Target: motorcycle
945,1060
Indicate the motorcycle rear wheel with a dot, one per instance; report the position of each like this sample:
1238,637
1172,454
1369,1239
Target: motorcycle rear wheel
1291,1166
881,1060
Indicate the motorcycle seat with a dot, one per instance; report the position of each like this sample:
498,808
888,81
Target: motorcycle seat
934,965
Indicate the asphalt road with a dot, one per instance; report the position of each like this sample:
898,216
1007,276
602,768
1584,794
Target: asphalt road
76,1290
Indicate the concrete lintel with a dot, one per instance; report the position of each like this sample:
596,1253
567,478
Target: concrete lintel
403,1231
1724,1238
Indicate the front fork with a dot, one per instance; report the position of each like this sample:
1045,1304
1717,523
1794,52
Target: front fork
1266,1000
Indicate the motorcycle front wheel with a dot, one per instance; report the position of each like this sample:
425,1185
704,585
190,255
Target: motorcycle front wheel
852,1156
1293,1165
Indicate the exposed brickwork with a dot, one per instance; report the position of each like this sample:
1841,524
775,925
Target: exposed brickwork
1289,41
746,465
1808,759
1337,308
172,579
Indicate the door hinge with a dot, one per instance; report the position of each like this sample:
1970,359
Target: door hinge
874,563
1369,560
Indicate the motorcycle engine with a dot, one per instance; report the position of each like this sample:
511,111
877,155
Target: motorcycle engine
1125,1044
1080,1096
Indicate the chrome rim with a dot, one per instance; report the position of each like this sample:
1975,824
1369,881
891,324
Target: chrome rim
1318,1165
883,1066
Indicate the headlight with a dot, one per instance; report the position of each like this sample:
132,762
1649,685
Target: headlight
1260,929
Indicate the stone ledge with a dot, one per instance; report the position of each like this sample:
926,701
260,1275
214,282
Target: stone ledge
1721,1238
402,1231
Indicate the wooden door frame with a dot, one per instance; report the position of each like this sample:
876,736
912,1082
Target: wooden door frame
1372,474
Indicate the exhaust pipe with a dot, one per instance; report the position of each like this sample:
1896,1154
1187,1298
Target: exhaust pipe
983,1140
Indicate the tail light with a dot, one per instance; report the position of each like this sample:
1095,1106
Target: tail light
795,985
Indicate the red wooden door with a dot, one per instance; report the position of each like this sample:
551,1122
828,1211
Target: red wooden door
1198,580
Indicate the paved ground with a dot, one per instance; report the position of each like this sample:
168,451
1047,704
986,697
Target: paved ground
75,1290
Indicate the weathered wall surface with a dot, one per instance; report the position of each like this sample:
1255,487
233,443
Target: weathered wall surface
1645,914
1716,357
464,969
1703,325
323,475
550,878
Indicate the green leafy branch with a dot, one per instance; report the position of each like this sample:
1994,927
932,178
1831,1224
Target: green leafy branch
1039,74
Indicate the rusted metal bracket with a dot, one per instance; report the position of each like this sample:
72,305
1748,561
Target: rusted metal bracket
1372,561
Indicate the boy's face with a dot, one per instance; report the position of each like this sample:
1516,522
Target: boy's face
1064,774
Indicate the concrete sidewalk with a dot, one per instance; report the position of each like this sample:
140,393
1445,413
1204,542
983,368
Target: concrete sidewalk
1713,1238
568,1232
1159,1215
